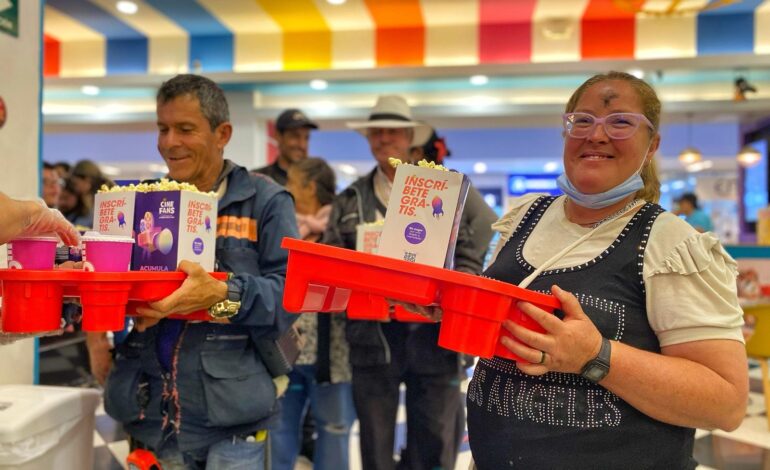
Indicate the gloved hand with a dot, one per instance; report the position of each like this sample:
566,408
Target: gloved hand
44,220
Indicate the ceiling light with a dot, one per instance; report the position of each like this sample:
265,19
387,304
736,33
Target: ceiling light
479,167
335,2
89,90
323,105
479,101
551,167
748,156
699,166
638,73
690,155
109,109
129,8
479,80
109,170
319,84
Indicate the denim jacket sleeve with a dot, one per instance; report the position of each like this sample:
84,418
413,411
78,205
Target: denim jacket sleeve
262,294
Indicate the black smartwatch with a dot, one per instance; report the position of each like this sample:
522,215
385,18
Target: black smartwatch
597,368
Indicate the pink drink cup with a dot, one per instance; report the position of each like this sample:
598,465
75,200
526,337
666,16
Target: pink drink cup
32,253
107,254
104,303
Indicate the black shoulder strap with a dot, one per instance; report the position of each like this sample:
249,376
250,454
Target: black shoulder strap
380,206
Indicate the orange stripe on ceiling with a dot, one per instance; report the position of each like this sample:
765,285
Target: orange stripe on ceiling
608,32
400,38
307,39
51,56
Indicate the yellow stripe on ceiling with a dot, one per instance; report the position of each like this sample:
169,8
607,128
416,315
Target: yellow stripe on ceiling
556,30
666,36
83,50
352,34
762,28
66,28
451,32
307,39
257,37
167,43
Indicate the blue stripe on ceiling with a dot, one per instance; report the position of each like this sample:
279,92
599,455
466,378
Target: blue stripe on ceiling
728,29
126,56
211,43
127,48
211,53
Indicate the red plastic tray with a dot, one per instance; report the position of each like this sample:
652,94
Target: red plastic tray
32,299
363,306
322,278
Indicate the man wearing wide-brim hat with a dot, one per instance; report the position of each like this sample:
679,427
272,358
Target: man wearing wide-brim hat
384,355
389,127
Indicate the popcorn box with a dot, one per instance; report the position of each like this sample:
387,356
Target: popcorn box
423,215
168,226
171,226
368,237
114,213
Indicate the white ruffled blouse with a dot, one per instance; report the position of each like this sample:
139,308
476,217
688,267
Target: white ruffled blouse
690,280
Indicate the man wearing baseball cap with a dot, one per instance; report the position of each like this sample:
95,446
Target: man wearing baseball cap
292,135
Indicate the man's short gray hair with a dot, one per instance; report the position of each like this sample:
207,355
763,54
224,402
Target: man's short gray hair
211,98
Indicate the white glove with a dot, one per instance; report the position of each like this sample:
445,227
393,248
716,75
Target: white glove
44,220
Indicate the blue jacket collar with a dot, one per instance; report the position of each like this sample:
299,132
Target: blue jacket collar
238,184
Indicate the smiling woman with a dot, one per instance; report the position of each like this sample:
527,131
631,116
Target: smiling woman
623,376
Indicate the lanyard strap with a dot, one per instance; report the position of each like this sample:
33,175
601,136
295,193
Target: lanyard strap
553,259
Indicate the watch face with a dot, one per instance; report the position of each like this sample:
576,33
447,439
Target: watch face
595,372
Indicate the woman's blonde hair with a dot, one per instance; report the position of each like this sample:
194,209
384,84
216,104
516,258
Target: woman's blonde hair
650,108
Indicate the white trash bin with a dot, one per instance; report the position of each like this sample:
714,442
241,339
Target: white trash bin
45,428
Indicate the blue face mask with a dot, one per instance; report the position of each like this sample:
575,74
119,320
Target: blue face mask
600,200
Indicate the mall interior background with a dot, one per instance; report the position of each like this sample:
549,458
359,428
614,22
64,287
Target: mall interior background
491,76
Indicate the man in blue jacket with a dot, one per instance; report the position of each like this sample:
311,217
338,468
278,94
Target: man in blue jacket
198,394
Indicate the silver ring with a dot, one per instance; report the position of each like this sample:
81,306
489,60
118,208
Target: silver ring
542,357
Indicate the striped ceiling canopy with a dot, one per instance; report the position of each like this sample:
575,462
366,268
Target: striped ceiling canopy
92,38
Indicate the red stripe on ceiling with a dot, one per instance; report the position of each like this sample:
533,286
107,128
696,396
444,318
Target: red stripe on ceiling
51,56
400,38
505,30
608,31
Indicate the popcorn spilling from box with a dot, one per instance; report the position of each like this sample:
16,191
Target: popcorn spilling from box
170,221
424,212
